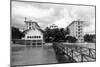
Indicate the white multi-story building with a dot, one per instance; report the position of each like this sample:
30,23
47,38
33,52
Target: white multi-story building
33,32
53,26
76,30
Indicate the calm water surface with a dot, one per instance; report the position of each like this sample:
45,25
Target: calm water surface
33,55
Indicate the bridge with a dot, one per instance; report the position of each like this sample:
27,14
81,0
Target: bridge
75,53
28,54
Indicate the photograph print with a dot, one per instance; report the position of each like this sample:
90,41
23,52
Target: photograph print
51,33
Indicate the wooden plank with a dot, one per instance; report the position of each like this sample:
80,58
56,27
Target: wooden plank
60,46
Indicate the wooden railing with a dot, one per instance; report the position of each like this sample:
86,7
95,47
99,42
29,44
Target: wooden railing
75,52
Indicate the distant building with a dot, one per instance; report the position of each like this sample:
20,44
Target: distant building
33,31
53,26
76,30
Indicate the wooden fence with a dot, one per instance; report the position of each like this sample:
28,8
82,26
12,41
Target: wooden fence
75,52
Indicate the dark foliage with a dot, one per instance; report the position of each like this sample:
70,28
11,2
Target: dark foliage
16,34
55,35
71,39
67,31
89,38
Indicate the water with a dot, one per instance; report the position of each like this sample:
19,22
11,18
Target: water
22,55
30,55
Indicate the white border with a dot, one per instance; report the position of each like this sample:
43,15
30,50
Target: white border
5,33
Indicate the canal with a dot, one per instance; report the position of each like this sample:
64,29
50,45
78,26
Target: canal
22,55
32,55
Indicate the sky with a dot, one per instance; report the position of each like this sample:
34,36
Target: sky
46,14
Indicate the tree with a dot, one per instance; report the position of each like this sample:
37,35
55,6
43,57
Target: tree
16,34
54,35
47,35
67,31
60,35
89,38
71,39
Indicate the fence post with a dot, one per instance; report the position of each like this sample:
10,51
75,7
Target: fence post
89,51
82,57
67,51
72,52
81,54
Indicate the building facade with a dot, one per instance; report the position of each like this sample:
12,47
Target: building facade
53,26
33,33
76,30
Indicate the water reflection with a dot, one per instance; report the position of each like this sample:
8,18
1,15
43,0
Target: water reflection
25,55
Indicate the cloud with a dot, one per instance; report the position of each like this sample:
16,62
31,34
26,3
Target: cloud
27,10
20,10
46,14
62,23
87,14
90,28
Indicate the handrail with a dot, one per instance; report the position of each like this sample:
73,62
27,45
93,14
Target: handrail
74,48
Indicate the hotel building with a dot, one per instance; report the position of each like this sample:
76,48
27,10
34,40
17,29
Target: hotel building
33,32
76,30
53,26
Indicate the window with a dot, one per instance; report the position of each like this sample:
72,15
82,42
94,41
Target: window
27,36
33,40
39,36
78,26
78,36
39,43
39,40
34,36
78,32
78,23
30,37
78,29
29,24
33,43
29,27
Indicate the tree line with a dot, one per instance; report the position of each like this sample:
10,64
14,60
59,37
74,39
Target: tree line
16,34
58,35
90,38
54,35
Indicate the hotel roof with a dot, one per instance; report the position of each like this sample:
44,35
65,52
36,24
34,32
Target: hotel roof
75,21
